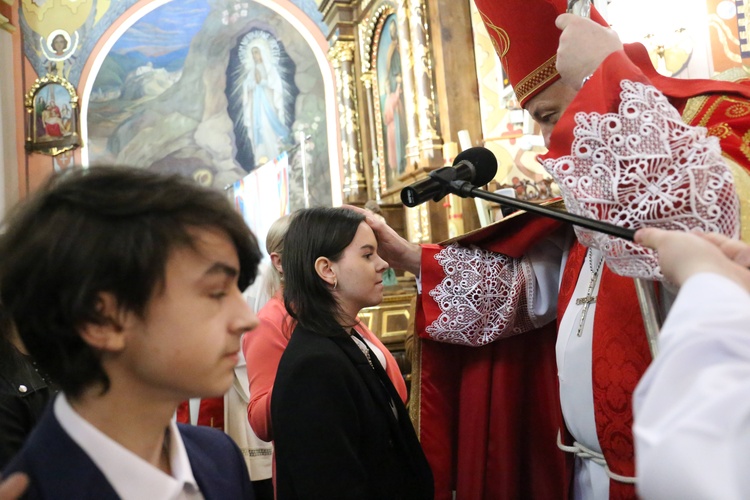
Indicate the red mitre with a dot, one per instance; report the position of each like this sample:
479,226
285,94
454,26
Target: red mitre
526,39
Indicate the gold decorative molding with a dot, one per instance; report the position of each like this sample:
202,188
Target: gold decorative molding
369,30
45,80
67,134
368,79
391,320
341,51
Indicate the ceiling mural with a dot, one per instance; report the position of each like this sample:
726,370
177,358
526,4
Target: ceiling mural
82,23
207,88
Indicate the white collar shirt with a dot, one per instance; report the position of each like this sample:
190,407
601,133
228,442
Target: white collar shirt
129,475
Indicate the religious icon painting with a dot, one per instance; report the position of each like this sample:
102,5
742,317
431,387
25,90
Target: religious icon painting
59,45
52,116
262,93
392,134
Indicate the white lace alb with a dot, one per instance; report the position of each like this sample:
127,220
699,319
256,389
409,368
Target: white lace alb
644,167
482,297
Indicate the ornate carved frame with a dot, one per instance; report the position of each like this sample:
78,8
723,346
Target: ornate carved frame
370,34
37,139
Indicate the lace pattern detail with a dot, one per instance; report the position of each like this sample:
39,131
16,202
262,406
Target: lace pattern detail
644,167
482,297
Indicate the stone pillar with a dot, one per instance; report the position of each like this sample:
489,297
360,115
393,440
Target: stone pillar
341,55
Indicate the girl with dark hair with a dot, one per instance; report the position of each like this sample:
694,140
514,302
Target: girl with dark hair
340,427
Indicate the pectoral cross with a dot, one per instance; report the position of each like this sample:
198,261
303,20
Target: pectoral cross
586,302
590,298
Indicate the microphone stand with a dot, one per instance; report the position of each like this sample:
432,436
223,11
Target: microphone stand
464,189
645,291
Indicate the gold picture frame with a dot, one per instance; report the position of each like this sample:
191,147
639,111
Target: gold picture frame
52,116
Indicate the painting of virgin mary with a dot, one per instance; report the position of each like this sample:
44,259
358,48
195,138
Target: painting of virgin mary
262,98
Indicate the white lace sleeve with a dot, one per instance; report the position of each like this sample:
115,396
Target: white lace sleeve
484,296
644,167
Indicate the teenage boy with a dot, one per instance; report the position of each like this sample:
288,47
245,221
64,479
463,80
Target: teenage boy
126,287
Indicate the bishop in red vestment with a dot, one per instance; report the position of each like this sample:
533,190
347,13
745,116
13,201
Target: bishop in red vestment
631,147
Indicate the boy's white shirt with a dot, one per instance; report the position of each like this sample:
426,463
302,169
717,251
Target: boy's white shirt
129,475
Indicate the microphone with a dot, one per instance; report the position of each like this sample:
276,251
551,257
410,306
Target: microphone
477,166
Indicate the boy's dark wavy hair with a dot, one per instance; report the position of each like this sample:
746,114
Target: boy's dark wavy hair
102,229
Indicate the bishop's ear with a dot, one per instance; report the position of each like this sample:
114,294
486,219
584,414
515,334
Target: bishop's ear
323,266
108,333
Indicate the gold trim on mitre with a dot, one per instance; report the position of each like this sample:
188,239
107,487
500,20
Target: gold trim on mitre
537,78
501,41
